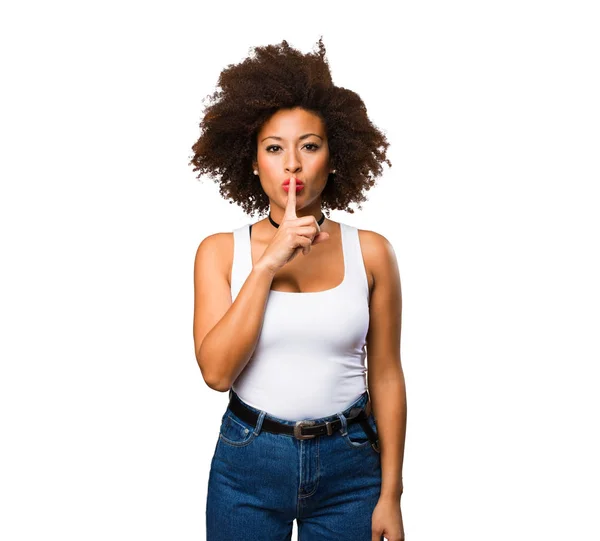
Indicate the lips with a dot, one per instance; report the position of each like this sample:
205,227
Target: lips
298,182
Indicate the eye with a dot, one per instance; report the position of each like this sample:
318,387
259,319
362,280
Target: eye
313,145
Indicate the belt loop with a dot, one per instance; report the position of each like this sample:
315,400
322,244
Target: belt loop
259,422
344,427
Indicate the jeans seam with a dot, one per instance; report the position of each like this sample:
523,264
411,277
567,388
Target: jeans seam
239,424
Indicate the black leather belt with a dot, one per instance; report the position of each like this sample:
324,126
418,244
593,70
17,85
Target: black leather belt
303,430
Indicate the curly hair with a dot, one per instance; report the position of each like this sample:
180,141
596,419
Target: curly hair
277,77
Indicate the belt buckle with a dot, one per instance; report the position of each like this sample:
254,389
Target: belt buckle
298,430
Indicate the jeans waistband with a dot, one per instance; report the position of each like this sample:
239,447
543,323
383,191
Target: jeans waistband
360,402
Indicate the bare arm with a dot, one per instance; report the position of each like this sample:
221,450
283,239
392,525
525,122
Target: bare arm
225,333
385,375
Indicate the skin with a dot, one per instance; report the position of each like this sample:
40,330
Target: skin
283,151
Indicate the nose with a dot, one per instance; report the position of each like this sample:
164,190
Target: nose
292,163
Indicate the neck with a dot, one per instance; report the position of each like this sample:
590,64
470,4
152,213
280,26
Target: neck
276,225
277,213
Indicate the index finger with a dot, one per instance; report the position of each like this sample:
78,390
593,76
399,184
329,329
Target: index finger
290,208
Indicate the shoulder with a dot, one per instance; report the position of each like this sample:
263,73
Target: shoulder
372,241
216,243
217,249
378,254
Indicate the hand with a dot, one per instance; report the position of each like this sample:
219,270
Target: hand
293,236
387,520
290,216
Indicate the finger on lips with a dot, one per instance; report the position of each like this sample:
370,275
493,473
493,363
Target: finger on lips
290,209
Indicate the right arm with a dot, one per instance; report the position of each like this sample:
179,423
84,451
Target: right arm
225,333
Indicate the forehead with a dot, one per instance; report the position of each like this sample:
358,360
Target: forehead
289,122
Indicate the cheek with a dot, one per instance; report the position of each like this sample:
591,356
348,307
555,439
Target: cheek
266,162
319,161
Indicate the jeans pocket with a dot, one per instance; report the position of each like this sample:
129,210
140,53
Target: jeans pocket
356,437
234,431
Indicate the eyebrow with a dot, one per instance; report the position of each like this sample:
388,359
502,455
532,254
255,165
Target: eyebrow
301,137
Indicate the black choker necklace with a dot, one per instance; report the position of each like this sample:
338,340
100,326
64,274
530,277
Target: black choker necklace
277,225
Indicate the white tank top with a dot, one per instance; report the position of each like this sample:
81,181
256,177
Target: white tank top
309,360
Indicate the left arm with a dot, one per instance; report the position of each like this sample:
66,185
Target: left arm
385,375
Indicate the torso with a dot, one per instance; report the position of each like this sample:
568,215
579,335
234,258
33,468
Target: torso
321,269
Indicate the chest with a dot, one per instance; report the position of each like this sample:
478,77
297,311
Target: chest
324,268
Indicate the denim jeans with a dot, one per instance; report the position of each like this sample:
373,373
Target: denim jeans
259,482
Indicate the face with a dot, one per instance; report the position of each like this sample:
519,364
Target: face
293,141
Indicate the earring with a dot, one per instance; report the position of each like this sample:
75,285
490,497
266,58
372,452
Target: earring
255,172
333,172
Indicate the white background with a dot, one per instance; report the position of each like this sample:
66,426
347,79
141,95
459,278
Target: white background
491,108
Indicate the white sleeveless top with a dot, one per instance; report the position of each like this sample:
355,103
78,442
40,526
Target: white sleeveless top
309,360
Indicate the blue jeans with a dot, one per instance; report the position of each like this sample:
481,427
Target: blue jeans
259,482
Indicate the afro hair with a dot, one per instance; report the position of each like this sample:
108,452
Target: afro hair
275,77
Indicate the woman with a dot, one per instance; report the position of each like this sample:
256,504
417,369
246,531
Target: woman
304,435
